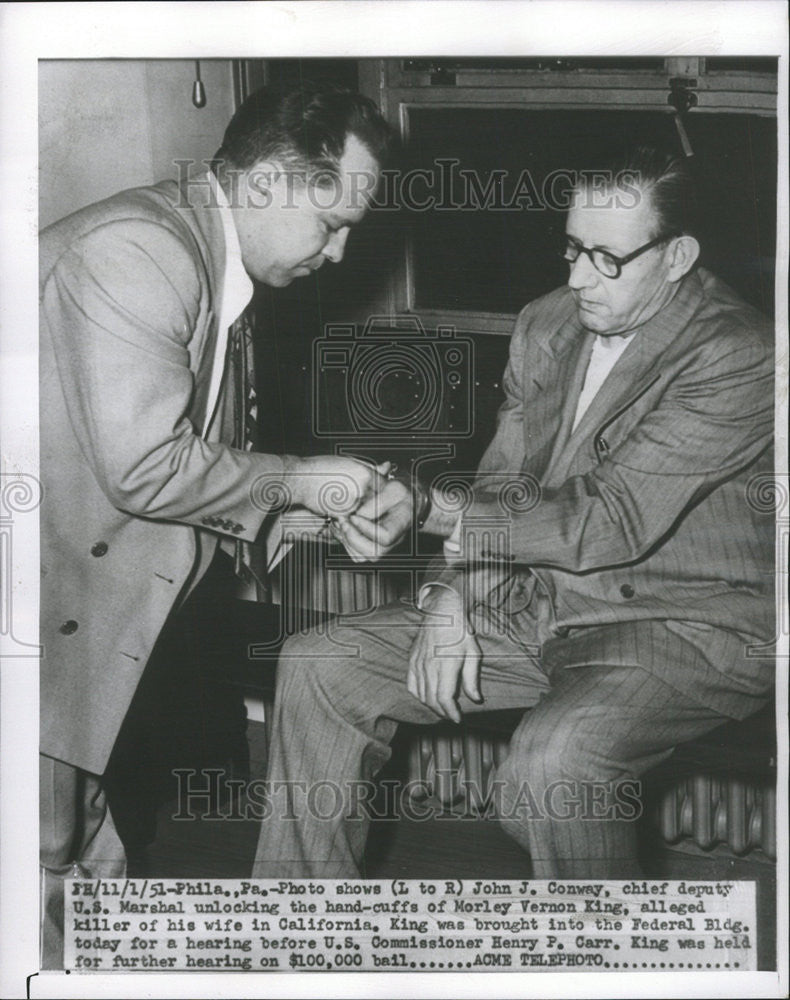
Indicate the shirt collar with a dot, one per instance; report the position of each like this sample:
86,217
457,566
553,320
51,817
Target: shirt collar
614,343
237,286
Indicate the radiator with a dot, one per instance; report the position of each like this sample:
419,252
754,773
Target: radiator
710,810
311,578
457,772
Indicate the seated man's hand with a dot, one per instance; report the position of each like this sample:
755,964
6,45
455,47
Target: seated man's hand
377,526
445,656
333,485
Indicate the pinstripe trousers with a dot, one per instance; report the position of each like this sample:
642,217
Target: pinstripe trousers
586,731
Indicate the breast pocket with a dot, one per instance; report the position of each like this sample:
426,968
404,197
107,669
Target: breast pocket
612,431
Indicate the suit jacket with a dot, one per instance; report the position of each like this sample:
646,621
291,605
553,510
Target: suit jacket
637,524
134,500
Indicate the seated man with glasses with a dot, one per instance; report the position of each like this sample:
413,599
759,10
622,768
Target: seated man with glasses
608,575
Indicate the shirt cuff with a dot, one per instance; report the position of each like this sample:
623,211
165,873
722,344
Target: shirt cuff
452,544
426,588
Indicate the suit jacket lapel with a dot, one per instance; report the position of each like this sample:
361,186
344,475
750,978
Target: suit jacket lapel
575,376
637,368
205,360
551,373
205,222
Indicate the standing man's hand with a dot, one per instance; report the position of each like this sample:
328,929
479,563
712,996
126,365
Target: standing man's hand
333,485
445,656
377,526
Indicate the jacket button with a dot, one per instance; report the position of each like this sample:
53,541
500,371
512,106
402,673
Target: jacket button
601,446
627,590
69,627
99,549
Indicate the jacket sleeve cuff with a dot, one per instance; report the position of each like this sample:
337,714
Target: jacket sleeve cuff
428,588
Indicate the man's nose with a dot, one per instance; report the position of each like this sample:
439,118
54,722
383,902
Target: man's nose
582,273
336,245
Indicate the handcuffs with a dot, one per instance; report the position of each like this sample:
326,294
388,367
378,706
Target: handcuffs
423,504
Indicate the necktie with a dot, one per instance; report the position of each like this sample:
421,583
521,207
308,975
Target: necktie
249,560
245,402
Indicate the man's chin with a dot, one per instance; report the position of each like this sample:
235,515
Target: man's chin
280,280
591,320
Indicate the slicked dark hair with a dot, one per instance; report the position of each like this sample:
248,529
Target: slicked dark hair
303,128
667,179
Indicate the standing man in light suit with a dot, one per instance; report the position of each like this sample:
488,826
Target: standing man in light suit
144,462
617,609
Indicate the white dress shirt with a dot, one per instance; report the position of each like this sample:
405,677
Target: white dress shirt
237,291
605,352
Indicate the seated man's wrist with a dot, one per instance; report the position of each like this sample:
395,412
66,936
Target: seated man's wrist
420,496
429,514
441,521
423,503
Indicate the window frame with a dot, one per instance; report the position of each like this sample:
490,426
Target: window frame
399,90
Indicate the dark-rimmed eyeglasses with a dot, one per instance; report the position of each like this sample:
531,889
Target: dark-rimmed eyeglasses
606,263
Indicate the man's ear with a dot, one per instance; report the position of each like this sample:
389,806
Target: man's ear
264,175
683,253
